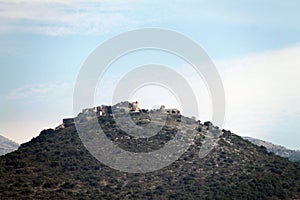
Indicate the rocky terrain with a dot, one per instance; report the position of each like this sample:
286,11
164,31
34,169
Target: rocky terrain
7,146
56,165
293,155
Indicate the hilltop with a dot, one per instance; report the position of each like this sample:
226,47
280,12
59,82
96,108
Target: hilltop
56,165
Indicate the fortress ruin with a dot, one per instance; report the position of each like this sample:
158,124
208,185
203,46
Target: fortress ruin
104,110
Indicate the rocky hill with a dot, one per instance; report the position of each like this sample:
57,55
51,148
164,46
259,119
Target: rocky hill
56,165
293,155
7,146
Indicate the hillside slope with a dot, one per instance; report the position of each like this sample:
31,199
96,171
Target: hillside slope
55,165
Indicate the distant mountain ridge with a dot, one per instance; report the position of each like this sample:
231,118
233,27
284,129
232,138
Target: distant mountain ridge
293,155
7,145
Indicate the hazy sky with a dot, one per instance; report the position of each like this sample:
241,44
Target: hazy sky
254,44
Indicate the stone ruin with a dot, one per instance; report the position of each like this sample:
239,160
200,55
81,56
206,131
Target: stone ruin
104,110
98,110
134,106
66,123
169,111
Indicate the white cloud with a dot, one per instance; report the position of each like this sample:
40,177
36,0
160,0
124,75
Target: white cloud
65,17
62,17
40,91
262,92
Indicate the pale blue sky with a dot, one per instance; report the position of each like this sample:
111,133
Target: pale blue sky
44,43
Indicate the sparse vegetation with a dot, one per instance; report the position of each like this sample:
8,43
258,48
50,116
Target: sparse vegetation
55,165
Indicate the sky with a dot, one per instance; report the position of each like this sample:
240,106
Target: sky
255,46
